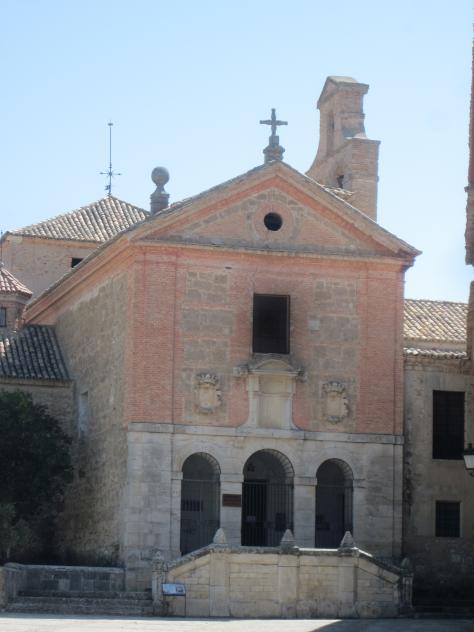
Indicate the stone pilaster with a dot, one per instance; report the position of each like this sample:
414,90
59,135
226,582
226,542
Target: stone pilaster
304,510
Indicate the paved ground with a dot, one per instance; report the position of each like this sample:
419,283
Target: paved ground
52,623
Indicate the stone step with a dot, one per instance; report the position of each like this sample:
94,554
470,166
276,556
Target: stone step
102,594
447,610
85,605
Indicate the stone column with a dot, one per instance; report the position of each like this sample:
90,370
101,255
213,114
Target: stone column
347,582
288,566
359,500
219,581
158,578
304,510
231,517
175,517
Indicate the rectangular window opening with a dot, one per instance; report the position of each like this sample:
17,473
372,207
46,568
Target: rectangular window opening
447,519
271,324
3,316
83,414
448,425
75,261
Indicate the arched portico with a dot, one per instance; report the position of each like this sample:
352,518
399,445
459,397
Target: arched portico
334,485
200,496
267,498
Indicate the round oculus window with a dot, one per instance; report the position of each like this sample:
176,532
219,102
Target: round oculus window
273,221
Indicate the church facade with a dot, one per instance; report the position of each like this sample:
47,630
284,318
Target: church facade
236,361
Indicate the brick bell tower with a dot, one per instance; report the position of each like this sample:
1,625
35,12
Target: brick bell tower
346,158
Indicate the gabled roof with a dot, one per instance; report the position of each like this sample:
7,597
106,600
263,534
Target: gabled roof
435,321
221,194
32,353
333,200
10,284
96,222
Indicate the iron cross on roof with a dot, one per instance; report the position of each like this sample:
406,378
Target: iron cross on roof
274,151
273,122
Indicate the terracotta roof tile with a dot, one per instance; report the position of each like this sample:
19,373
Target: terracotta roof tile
436,321
32,353
10,284
99,222
439,354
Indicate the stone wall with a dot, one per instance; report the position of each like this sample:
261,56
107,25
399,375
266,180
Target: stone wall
92,333
194,316
440,564
52,578
38,263
157,453
58,397
289,582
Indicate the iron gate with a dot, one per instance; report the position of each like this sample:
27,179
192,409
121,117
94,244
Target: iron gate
333,515
267,511
199,513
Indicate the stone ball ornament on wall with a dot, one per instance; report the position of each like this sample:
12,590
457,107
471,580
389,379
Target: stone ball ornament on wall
208,394
335,402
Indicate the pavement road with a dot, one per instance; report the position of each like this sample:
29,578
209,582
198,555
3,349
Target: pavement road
58,623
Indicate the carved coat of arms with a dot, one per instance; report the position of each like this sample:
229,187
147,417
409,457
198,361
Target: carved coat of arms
208,394
335,402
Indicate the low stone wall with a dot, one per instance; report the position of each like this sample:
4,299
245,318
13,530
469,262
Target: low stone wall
11,582
286,582
35,577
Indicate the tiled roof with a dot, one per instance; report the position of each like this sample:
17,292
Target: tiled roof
10,284
99,222
436,321
439,354
32,353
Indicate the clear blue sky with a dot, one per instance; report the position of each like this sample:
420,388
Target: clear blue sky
186,83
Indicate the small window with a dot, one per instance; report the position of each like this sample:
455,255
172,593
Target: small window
447,519
273,221
340,181
83,413
271,323
75,261
448,425
3,316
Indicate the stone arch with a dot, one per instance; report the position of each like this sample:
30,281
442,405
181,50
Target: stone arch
200,501
213,466
334,513
267,498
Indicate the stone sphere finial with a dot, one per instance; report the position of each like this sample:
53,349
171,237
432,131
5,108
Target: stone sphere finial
159,198
160,176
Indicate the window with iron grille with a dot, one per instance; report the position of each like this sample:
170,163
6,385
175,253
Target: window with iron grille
271,323
3,316
447,519
448,424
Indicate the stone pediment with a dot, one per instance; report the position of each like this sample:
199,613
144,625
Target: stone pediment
269,365
273,208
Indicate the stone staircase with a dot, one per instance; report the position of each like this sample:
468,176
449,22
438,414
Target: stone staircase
131,604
